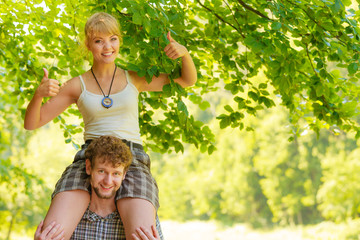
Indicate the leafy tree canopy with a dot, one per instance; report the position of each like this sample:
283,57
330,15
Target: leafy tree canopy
308,51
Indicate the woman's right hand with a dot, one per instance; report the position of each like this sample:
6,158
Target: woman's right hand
48,87
48,232
144,234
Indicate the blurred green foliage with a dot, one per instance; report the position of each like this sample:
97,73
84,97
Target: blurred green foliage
260,177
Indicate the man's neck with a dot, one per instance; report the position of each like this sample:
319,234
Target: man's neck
102,207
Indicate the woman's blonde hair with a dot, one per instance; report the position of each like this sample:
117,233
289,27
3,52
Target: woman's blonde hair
101,22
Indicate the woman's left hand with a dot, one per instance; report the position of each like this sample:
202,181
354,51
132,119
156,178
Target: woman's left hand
174,49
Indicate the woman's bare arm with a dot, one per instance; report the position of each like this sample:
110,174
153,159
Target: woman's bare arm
37,114
188,76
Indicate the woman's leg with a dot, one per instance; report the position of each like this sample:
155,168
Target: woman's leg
135,213
67,209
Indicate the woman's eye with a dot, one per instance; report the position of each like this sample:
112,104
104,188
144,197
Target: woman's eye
98,41
101,171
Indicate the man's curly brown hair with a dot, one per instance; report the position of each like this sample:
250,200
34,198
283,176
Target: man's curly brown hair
109,149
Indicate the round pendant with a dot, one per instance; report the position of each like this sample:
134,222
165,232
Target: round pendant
107,102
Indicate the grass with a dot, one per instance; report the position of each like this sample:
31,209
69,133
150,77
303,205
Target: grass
212,231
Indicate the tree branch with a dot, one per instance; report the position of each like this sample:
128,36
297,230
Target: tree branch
227,4
221,19
307,53
253,10
123,14
317,23
303,74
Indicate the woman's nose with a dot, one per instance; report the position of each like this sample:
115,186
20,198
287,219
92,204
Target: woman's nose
107,44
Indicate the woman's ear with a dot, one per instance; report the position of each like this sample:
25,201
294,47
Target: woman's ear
124,175
87,44
88,166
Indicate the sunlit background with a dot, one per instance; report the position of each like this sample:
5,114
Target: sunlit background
256,185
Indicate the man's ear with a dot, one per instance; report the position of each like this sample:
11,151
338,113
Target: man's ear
88,166
124,175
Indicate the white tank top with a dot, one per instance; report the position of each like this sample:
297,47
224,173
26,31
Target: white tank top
120,120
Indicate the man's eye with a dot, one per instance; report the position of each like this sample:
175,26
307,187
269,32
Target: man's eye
101,171
98,41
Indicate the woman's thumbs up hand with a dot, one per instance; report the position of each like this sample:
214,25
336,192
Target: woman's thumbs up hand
48,87
174,49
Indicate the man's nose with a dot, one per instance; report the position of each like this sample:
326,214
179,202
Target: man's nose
107,178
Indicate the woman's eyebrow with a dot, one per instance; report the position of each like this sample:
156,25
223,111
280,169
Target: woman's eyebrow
115,35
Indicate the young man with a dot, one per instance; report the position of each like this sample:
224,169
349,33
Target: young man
107,160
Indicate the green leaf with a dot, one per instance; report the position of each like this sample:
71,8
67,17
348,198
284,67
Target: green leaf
137,18
225,122
276,25
336,7
352,68
347,2
357,136
178,146
253,95
249,129
263,86
179,89
211,149
152,13
221,116
195,98
149,76
228,108
203,147
167,89
204,105
182,107
319,90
